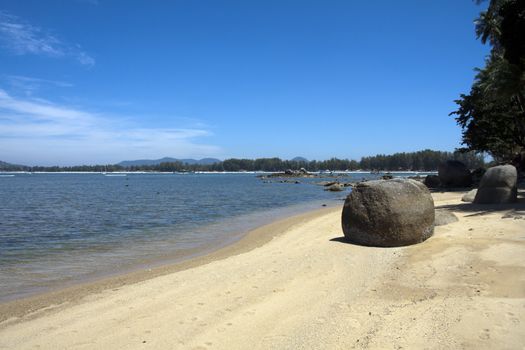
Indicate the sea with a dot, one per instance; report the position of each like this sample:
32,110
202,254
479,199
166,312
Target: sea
58,229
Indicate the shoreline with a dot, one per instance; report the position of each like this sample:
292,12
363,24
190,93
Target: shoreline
411,172
66,294
301,285
238,227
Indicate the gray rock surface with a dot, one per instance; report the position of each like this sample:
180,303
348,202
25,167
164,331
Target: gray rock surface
388,213
469,196
326,183
453,173
498,185
444,217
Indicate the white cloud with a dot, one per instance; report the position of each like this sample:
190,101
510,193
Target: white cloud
85,59
29,85
22,38
41,132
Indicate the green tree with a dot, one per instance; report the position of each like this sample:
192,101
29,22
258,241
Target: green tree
492,115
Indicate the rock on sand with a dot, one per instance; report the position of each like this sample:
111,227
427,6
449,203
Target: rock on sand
454,173
388,213
498,185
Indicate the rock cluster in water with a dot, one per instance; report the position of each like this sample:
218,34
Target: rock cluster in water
291,173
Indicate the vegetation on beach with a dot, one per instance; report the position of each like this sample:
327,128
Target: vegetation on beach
422,160
492,115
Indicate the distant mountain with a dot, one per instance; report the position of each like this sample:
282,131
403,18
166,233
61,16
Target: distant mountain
4,166
299,159
203,161
139,162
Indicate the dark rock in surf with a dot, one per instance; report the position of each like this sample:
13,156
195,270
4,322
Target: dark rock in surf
337,187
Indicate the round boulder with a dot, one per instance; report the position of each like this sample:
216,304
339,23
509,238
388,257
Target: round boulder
498,185
388,213
453,173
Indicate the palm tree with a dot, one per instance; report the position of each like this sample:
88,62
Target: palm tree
492,116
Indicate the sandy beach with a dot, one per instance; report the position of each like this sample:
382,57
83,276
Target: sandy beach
295,284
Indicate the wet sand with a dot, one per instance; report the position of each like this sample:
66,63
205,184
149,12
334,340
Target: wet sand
295,284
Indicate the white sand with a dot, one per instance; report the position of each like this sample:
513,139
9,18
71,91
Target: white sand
462,288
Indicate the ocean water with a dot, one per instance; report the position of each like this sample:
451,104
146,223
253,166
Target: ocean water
58,229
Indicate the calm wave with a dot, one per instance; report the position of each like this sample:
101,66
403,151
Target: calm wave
62,228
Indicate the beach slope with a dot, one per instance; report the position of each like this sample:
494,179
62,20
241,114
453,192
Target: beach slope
306,288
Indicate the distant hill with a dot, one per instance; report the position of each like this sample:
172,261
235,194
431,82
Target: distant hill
139,162
4,166
299,159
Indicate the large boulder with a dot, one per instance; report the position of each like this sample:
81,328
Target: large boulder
453,173
432,181
388,213
498,185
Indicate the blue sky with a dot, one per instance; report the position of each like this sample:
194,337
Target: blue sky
95,81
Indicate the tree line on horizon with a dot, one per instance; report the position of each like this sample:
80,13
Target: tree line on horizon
491,115
426,160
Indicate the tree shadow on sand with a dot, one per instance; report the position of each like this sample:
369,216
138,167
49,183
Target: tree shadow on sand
514,210
518,207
